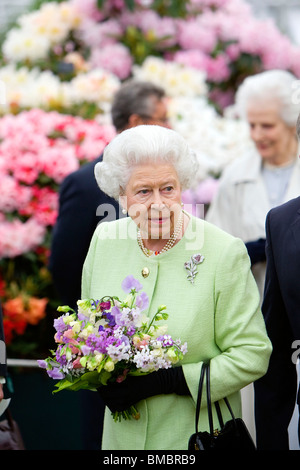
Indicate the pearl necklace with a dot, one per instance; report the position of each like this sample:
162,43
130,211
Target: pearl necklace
170,243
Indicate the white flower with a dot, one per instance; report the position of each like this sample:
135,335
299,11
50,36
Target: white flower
176,79
97,86
21,45
216,140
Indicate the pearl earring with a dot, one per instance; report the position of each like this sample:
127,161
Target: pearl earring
124,211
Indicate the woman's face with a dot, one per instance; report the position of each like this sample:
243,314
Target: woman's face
273,138
153,199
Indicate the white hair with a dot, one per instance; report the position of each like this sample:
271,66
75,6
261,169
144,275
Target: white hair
276,86
143,144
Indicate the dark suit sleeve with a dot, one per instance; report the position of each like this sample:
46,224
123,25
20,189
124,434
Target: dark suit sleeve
275,393
3,368
71,237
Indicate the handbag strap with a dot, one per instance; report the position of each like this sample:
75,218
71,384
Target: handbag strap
205,371
208,399
198,405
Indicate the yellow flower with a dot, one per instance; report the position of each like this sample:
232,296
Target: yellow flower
172,355
86,332
75,326
109,365
98,357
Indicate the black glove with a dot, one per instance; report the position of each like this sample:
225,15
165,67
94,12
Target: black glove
257,250
120,396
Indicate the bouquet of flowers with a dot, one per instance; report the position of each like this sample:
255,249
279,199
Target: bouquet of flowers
108,339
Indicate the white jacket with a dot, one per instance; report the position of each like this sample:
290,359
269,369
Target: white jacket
242,203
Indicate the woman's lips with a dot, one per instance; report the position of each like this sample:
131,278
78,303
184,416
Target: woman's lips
262,146
159,221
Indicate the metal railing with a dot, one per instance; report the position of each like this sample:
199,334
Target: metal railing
32,363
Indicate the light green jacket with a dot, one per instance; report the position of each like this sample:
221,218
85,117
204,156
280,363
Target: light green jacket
218,316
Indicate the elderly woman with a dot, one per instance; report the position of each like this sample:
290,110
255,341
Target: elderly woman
217,312
269,174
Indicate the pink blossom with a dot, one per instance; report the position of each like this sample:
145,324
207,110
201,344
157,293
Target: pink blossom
77,364
223,99
13,195
43,206
58,161
203,194
17,238
217,69
100,34
115,58
88,9
161,29
192,58
30,155
193,34
233,52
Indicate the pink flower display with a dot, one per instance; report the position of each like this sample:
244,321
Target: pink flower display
37,151
222,38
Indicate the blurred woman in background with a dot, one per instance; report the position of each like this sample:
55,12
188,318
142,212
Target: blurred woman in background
269,174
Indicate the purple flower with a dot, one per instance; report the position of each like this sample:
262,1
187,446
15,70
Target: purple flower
130,283
116,312
61,358
42,364
82,317
130,331
94,342
55,374
142,301
85,350
59,324
110,318
166,340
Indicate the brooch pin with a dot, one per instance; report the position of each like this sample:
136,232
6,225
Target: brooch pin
191,266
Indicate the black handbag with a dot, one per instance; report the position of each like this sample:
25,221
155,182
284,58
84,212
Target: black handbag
233,435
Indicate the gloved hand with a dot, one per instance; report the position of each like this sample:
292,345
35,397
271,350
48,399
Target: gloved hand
120,396
256,250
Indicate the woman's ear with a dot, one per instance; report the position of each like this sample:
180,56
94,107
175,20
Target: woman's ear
135,120
123,202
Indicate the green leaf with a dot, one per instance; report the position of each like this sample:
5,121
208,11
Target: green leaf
100,4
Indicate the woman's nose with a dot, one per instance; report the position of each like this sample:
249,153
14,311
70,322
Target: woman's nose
256,133
157,201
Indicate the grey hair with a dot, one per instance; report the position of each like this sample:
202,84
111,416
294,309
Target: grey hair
143,144
135,97
272,85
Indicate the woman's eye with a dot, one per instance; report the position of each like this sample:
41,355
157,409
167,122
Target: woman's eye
169,188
